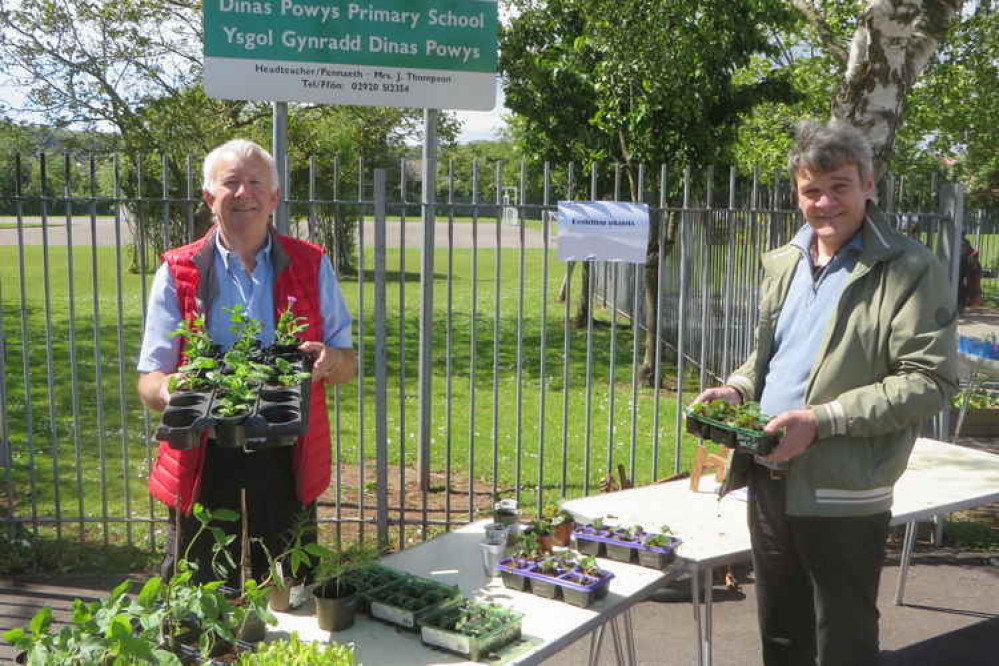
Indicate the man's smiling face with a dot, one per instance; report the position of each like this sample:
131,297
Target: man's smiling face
833,202
242,196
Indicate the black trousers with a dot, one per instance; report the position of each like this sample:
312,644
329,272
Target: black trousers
272,511
816,581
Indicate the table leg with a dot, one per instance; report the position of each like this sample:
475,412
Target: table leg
903,570
629,633
596,642
618,651
709,580
695,589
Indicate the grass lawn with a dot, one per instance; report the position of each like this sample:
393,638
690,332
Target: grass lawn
79,444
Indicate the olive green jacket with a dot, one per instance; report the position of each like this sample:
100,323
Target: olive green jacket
886,364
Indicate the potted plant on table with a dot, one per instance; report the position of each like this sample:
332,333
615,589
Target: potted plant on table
542,529
562,524
288,330
336,600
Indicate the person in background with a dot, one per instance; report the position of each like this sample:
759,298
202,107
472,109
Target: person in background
243,261
969,286
855,348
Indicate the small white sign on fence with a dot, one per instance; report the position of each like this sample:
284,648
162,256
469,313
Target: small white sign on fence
603,231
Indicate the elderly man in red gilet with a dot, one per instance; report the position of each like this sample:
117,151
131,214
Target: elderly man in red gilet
243,261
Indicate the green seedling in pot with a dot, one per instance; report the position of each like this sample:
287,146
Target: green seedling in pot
287,374
588,565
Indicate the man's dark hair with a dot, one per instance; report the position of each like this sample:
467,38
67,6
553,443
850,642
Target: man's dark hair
828,146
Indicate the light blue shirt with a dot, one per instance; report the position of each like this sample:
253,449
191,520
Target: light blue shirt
254,291
804,318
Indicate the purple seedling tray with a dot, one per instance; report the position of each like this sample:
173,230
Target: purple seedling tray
604,536
531,571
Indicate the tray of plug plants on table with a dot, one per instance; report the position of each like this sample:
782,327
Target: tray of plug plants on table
655,550
250,397
470,628
738,427
564,575
406,600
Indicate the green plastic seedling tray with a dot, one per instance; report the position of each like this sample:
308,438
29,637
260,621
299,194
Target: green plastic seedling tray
742,439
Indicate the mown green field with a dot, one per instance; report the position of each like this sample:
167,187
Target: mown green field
79,444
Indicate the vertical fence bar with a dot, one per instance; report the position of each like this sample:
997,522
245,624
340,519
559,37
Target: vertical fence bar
119,272
565,371
473,340
594,196
726,368
519,420
337,440
381,364
542,365
637,271
402,355
189,203
49,344
6,446
98,362
29,421
449,361
73,365
143,296
361,366
705,252
680,345
660,296
497,184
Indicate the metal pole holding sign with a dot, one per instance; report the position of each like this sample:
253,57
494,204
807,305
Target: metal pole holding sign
427,294
279,149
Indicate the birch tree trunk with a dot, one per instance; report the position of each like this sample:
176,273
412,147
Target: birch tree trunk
893,43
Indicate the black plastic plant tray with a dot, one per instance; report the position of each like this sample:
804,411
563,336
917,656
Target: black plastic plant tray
184,418
380,601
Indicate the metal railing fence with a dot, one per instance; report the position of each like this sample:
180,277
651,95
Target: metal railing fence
524,400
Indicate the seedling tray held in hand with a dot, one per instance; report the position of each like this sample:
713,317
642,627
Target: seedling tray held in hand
756,442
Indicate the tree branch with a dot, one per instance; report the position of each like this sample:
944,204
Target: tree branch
827,38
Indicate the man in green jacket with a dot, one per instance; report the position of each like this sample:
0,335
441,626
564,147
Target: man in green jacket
855,349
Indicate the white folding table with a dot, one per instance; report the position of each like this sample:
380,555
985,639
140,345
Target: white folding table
455,558
940,479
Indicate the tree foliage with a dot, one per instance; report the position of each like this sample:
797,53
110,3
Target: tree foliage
635,81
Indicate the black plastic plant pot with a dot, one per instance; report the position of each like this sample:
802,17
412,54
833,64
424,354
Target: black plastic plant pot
184,418
759,444
512,574
253,629
548,589
235,649
230,431
589,546
698,428
335,613
654,558
279,394
280,415
620,552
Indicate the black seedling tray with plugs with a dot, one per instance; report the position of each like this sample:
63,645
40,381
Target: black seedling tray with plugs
746,440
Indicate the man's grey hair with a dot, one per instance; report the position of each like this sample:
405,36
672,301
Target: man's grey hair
242,149
824,147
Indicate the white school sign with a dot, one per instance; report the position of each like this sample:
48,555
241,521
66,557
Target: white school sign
436,54
603,231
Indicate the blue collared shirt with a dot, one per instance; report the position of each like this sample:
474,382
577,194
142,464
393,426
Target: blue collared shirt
254,291
803,321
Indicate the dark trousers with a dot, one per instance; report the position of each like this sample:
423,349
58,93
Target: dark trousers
816,581
272,511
